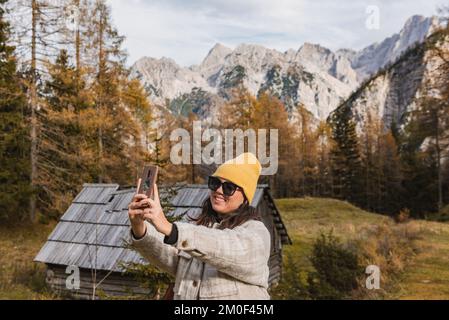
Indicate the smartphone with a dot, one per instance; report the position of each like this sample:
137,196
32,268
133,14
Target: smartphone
147,181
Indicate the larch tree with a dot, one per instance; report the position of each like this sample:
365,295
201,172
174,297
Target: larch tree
390,193
111,125
323,134
62,137
269,113
307,158
369,146
37,26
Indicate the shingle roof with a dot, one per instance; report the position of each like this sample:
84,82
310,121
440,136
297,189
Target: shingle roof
97,221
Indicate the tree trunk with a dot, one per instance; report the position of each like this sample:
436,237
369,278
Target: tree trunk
33,107
78,41
101,71
439,171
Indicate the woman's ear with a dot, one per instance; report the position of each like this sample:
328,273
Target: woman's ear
245,199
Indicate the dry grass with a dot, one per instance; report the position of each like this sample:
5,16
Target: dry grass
391,247
427,277
413,256
20,277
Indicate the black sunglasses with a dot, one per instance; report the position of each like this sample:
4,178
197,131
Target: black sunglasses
228,188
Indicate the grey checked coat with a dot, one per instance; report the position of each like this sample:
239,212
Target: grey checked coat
209,263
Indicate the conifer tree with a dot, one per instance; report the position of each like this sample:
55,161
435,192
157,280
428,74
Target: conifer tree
307,157
434,111
428,132
37,26
323,134
14,143
390,192
346,159
62,137
268,114
112,127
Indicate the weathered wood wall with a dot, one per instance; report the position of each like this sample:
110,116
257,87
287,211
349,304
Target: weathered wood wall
115,284
275,261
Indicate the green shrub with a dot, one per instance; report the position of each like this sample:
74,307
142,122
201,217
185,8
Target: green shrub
337,269
291,286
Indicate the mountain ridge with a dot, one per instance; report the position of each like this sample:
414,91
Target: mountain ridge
314,76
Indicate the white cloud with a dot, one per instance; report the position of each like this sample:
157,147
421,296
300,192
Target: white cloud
186,30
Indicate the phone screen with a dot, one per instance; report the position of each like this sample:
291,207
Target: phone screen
148,178
147,184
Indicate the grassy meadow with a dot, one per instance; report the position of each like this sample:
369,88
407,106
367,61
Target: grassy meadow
419,273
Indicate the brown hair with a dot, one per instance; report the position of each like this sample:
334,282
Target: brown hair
243,213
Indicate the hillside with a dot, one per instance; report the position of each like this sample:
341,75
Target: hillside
425,277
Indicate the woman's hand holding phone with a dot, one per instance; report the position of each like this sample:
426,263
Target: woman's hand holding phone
144,208
135,213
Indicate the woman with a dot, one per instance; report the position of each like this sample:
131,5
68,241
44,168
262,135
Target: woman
224,253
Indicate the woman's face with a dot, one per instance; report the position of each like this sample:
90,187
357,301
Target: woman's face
225,204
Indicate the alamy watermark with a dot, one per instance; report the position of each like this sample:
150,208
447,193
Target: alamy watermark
72,282
373,280
221,144
372,22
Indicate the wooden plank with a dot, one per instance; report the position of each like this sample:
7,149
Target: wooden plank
85,294
113,282
86,274
274,277
275,269
60,284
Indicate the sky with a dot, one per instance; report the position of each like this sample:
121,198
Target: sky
185,30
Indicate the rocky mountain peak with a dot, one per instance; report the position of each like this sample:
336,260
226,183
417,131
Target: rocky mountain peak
314,48
313,75
376,56
216,55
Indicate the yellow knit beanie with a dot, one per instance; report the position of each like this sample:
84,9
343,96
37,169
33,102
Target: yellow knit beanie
244,171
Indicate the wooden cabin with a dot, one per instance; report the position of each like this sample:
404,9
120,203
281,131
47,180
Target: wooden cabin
93,232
